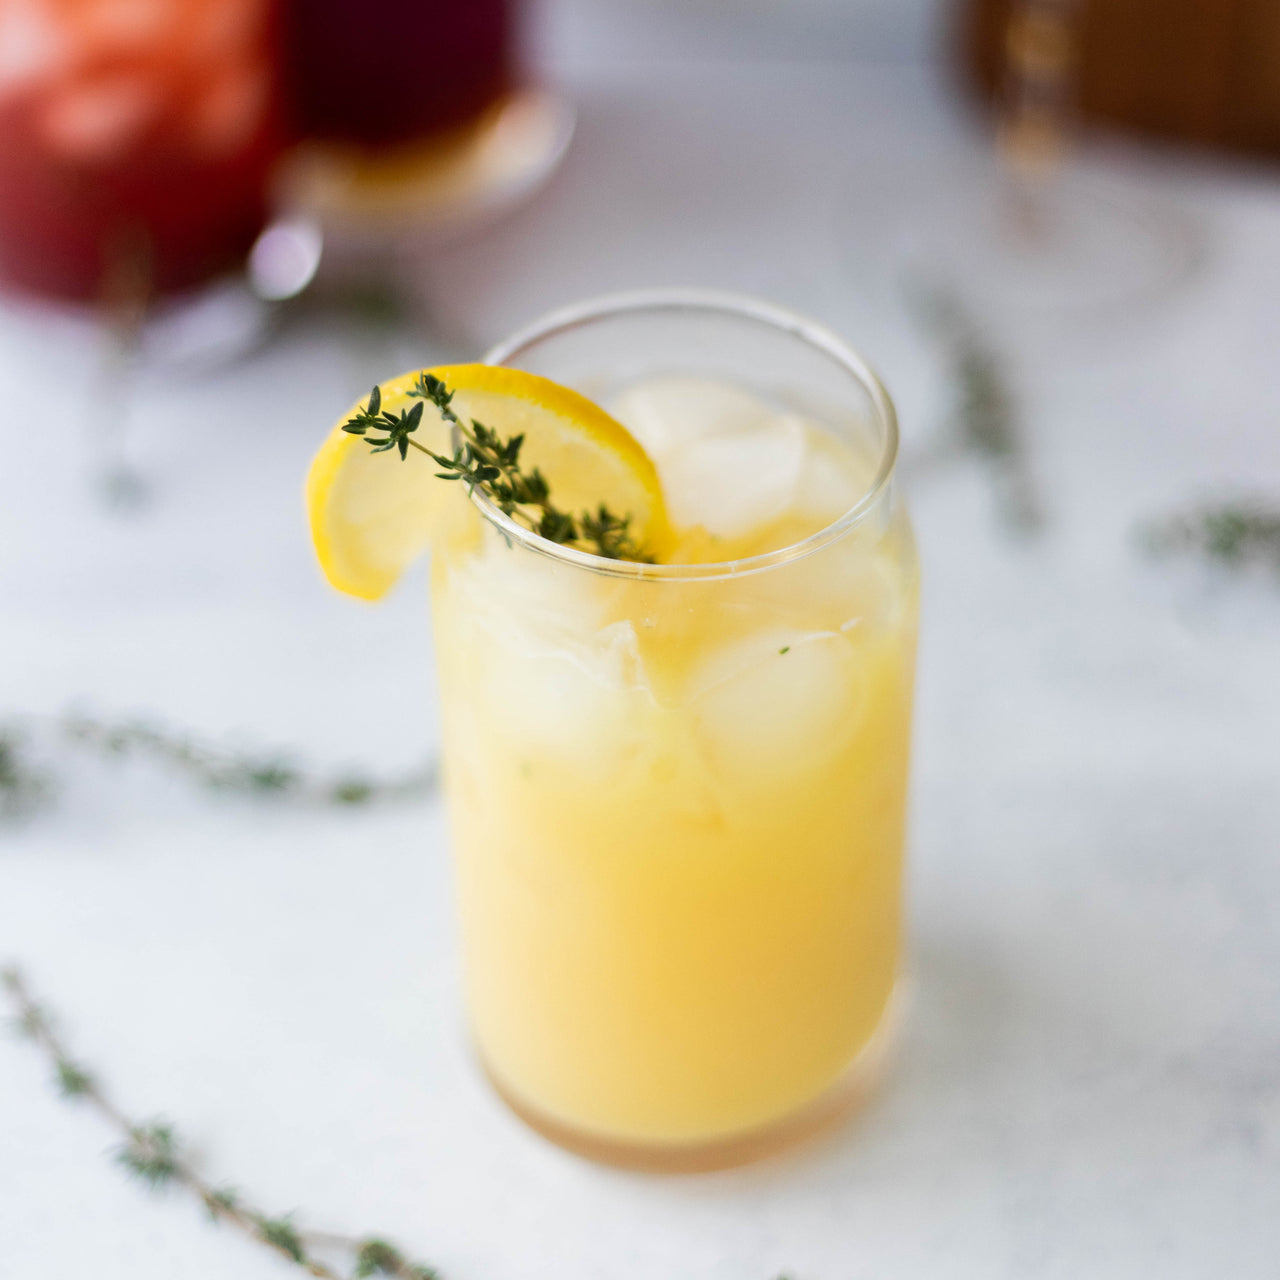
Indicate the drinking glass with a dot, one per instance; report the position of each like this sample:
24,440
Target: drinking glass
391,157
677,790
1030,236
135,143
346,81
137,139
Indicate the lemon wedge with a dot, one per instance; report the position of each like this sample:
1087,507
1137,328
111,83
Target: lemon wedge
372,514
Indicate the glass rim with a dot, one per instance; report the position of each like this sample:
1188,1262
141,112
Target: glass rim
741,306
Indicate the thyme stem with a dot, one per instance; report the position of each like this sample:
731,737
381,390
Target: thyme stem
151,1153
25,786
986,417
484,460
1232,534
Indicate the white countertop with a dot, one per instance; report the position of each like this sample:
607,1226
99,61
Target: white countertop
1089,1081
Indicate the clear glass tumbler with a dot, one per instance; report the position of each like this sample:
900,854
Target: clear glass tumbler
677,791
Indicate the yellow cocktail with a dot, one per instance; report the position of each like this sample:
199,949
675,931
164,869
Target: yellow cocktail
677,790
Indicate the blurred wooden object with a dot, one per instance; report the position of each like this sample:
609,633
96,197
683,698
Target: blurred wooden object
1205,72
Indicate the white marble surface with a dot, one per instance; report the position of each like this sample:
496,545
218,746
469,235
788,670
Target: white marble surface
599,31
1089,1082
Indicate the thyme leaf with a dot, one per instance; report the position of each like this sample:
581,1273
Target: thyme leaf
484,460
1233,534
26,785
152,1153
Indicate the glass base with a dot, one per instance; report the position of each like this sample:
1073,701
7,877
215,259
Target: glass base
829,1110
1090,243
366,199
1063,249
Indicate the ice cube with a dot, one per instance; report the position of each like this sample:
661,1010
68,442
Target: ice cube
830,481
727,461
777,702
538,601
581,708
149,26
99,117
666,414
736,483
33,47
229,109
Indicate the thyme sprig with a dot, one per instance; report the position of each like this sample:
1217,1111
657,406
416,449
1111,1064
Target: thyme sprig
484,460
152,1153
985,413
1233,534
26,785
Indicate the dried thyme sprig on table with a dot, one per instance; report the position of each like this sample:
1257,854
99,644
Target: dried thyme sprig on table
1234,534
484,460
152,1153
985,412
26,785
